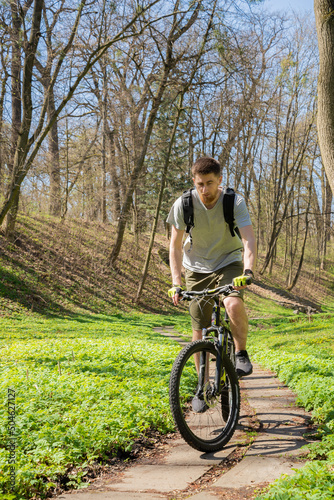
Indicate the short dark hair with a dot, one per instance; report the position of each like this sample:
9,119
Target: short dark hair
206,165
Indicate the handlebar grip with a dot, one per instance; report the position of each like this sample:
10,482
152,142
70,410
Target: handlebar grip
249,280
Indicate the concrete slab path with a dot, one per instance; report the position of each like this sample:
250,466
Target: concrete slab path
276,450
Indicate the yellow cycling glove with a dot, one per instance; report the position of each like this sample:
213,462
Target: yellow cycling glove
245,279
173,291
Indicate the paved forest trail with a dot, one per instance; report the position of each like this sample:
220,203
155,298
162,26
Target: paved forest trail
266,444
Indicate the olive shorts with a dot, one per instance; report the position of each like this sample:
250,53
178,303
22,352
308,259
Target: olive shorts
201,310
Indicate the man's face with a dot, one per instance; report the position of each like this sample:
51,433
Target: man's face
207,187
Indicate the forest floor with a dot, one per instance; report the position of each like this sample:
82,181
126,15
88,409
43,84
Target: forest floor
60,270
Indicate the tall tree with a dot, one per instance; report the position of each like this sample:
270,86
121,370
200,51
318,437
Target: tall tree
324,15
4,77
168,155
21,104
180,25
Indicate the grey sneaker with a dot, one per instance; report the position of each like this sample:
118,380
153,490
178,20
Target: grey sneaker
243,366
198,404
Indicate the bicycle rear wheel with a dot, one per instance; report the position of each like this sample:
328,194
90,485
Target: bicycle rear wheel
210,428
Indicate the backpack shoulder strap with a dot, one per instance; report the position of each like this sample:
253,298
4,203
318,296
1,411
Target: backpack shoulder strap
188,209
228,208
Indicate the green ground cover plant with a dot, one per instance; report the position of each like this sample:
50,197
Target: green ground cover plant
85,387
301,352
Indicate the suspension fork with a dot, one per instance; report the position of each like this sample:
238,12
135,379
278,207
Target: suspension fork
225,341
202,364
219,376
215,318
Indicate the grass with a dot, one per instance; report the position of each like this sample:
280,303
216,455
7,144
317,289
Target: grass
265,308
88,386
85,387
301,352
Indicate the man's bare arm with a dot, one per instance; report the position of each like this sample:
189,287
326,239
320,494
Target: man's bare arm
249,242
175,257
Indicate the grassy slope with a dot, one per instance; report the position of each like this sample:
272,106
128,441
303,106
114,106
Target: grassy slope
86,386
63,268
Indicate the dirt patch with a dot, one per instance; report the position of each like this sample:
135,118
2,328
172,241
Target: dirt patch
284,298
154,446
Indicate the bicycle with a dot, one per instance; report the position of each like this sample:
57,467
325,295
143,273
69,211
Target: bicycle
215,382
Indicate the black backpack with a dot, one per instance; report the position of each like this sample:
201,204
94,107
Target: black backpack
228,209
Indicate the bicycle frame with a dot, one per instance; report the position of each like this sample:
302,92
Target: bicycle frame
223,339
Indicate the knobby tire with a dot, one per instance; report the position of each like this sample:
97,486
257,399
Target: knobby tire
210,430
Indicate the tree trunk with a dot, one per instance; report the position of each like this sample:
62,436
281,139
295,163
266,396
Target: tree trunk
54,167
327,198
165,169
11,220
16,67
137,170
104,148
115,186
157,211
2,98
21,101
324,15
328,209
301,260
63,215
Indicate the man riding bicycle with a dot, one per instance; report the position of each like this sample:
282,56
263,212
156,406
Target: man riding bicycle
211,256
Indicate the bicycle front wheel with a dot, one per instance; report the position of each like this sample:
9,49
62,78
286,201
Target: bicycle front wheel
205,417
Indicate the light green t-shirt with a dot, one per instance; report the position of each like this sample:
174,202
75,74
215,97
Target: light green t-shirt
213,246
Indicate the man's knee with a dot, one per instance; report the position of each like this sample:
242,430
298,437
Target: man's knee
235,306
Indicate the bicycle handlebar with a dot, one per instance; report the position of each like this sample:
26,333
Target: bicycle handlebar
221,290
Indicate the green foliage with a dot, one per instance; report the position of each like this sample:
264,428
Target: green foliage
301,351
315,481
86,386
